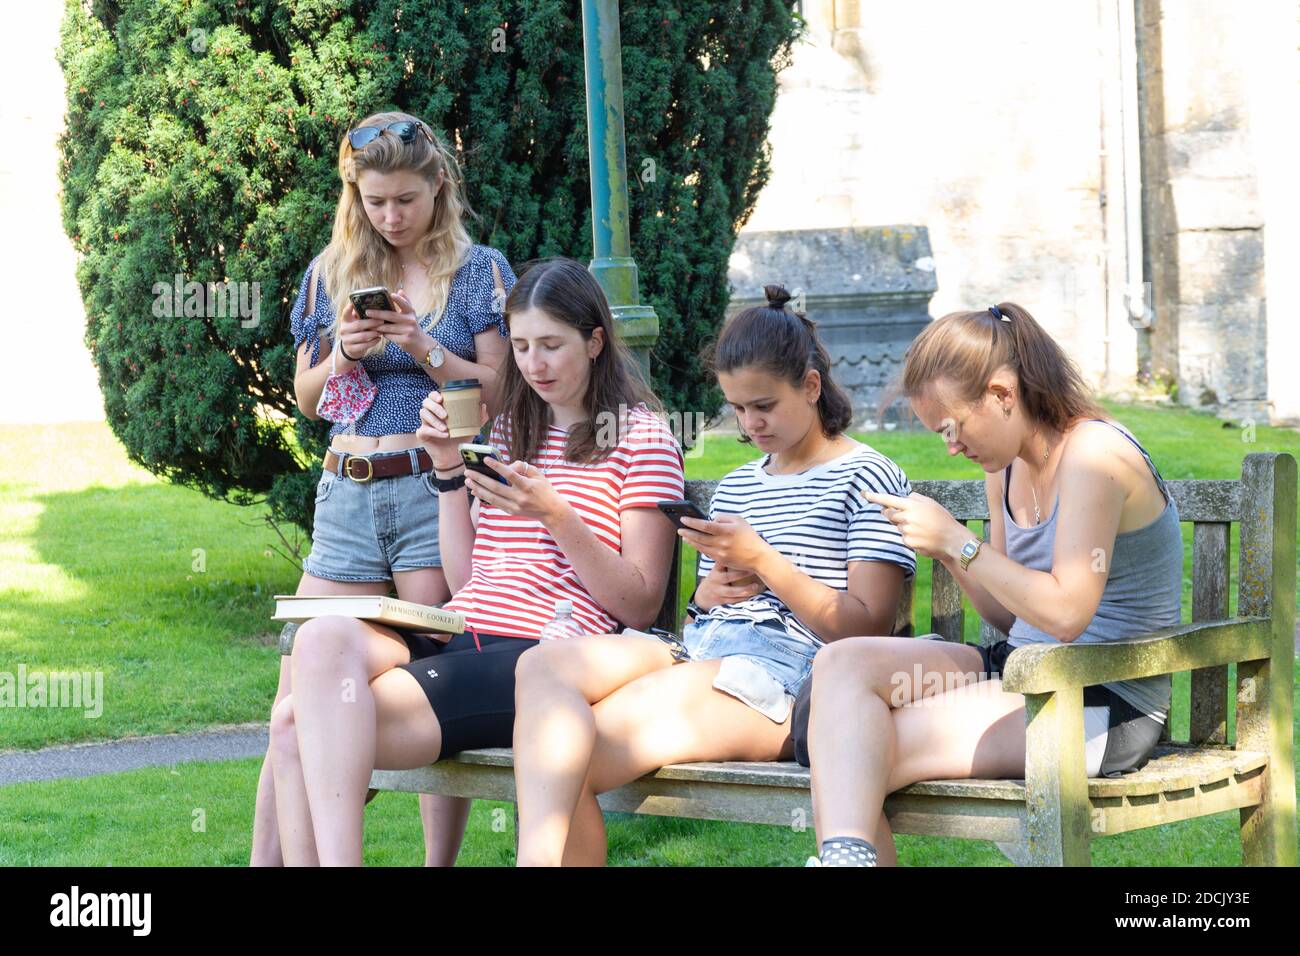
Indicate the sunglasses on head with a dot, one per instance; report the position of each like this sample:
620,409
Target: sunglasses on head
405,130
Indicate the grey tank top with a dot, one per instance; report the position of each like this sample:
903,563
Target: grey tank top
1142,591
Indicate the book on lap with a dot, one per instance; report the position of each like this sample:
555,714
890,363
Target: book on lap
369,607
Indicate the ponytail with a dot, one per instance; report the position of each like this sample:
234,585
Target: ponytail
965,349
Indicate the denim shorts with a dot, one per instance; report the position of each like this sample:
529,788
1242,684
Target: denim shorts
364,531
763,665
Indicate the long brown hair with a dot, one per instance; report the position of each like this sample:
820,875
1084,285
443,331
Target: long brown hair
357,255
568,293
784,344
965,349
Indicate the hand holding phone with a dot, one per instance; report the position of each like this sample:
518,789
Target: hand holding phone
676,510
376,297
475,458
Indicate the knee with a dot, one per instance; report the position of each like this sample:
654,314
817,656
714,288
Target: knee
326,645
284,734
839,659
538,667
846,666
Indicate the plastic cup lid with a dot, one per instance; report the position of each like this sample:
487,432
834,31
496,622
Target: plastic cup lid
462,383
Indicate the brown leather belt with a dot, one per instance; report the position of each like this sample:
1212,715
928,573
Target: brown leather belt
361,468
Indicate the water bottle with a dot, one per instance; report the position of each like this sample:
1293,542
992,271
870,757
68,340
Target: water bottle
562,625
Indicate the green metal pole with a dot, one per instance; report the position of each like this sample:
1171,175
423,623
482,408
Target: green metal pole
612,263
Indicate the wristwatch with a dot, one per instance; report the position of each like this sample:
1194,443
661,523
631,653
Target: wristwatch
968,552
435,356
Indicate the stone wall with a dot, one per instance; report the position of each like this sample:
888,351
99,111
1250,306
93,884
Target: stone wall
981,122
1203,224
1012,132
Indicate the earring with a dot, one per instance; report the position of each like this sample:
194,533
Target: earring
1006,411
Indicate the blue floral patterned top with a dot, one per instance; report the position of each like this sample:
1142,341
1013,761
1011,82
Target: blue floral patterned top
401,381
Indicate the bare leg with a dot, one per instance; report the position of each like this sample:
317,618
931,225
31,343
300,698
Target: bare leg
444,825
334,660
266,836
672,715
406,735
443,818
887,712
886,851
587,844
296,840
555,730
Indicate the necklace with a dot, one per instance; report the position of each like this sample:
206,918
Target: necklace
423,269
1038,515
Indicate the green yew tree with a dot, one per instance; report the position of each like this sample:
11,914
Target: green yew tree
200,156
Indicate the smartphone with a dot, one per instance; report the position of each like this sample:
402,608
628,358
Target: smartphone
475,459
376,297
676,510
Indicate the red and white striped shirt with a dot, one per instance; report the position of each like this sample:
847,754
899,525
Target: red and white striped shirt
519,571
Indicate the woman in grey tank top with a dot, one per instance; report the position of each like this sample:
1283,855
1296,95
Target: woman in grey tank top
1084,546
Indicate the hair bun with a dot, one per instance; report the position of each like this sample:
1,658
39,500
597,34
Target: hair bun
777,296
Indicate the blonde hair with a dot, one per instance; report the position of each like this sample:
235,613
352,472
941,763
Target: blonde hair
965,349
357,255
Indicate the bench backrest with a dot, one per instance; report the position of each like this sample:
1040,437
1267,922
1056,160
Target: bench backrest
1262,503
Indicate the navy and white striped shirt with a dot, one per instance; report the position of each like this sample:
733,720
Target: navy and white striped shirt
818,520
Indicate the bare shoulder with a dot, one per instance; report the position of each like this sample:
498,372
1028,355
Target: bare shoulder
1099,449
1091,439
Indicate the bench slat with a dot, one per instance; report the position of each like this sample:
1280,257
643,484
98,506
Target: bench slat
947,615
1210,562
1173,768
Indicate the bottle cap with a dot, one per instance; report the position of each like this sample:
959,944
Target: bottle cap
563,607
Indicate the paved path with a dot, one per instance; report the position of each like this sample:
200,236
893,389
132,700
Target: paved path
89,760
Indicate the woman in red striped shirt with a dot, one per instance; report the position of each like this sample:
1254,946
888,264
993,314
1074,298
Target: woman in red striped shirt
586,456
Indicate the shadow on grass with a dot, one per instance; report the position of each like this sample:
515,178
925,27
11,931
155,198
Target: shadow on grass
167,594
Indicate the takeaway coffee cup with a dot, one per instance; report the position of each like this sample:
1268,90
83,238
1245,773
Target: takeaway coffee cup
462,398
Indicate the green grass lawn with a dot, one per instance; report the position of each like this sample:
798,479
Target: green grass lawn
201,814
166,593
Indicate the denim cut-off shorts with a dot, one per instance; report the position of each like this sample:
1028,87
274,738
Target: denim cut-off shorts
364,531
763,665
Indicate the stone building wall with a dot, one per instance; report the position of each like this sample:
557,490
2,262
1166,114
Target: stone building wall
1109,164
1203,222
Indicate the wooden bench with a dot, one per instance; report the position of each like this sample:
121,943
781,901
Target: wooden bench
1051,816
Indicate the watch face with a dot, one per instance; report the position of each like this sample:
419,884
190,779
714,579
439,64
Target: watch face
435,357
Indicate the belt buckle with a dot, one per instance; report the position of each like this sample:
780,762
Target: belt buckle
370,468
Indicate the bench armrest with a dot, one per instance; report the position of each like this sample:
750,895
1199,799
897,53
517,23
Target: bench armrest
1045,668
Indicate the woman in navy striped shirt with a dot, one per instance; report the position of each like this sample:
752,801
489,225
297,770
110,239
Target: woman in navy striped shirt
793,556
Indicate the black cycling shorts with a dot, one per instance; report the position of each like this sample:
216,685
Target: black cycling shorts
471,691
